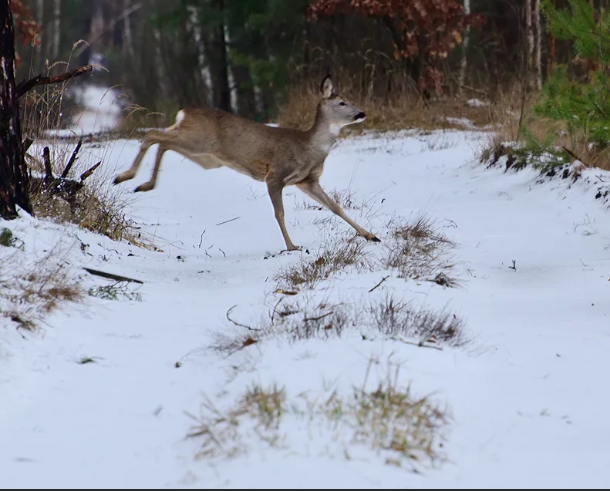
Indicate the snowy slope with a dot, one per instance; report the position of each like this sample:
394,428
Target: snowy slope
527,396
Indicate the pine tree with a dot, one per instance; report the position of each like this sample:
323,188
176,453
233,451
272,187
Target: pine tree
583,105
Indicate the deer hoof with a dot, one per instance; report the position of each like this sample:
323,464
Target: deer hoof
125,176
293,248
147,186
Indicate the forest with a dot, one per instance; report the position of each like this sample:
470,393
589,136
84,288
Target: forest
245,55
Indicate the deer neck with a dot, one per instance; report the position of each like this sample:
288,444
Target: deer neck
323,133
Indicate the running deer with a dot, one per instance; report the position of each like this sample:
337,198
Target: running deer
279,157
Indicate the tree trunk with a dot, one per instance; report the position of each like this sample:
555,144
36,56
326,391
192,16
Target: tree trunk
127,33
224,90
14,181
537,46
56,28
464,60
529,45
552,51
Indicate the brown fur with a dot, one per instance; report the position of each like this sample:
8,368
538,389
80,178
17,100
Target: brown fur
278,156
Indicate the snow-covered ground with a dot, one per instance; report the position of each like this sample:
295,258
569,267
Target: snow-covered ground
526,397
100,111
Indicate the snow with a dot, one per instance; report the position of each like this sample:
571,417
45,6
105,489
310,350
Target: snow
527,396
477,103
101,111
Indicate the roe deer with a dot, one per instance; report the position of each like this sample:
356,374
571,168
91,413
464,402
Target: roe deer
279,157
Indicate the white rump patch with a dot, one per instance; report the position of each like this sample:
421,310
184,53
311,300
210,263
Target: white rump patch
176,125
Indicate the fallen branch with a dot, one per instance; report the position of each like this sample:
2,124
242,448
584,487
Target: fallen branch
88,173
72,160
315,319
25,86
378,285
232,220
237,323
111,276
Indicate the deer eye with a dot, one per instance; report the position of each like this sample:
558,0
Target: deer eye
342,104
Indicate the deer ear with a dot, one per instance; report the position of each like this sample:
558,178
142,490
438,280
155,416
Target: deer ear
326,87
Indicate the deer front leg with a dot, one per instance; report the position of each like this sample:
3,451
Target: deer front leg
312,188
275,193
150,185
150,139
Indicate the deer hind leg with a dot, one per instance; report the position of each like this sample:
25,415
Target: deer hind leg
150,139
312,188
275,193
150,185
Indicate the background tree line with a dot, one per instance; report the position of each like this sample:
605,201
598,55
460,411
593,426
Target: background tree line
243,54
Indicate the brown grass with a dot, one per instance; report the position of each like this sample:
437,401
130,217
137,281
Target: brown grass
387,317
98,206
517,124
389,420
405,110
333,258
28,296
419,250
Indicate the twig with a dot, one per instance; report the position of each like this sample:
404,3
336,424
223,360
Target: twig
315,319
223,252
111,276
46,154
201,239
237,323
72,160
232,220
87,174
28,85
573,155
378,285
514,266
275,310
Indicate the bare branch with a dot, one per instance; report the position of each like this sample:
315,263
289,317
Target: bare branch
237,323
111,276
87,174
378,285
25,86
315,319
72,160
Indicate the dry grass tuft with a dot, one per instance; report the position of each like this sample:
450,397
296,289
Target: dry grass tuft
333,258
28,296
224,433
387,317
419,250
90,202
397,319
388,420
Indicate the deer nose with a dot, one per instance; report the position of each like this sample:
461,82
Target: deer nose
360,115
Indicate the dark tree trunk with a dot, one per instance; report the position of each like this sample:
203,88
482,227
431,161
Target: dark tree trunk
246,100
224,91
14,181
